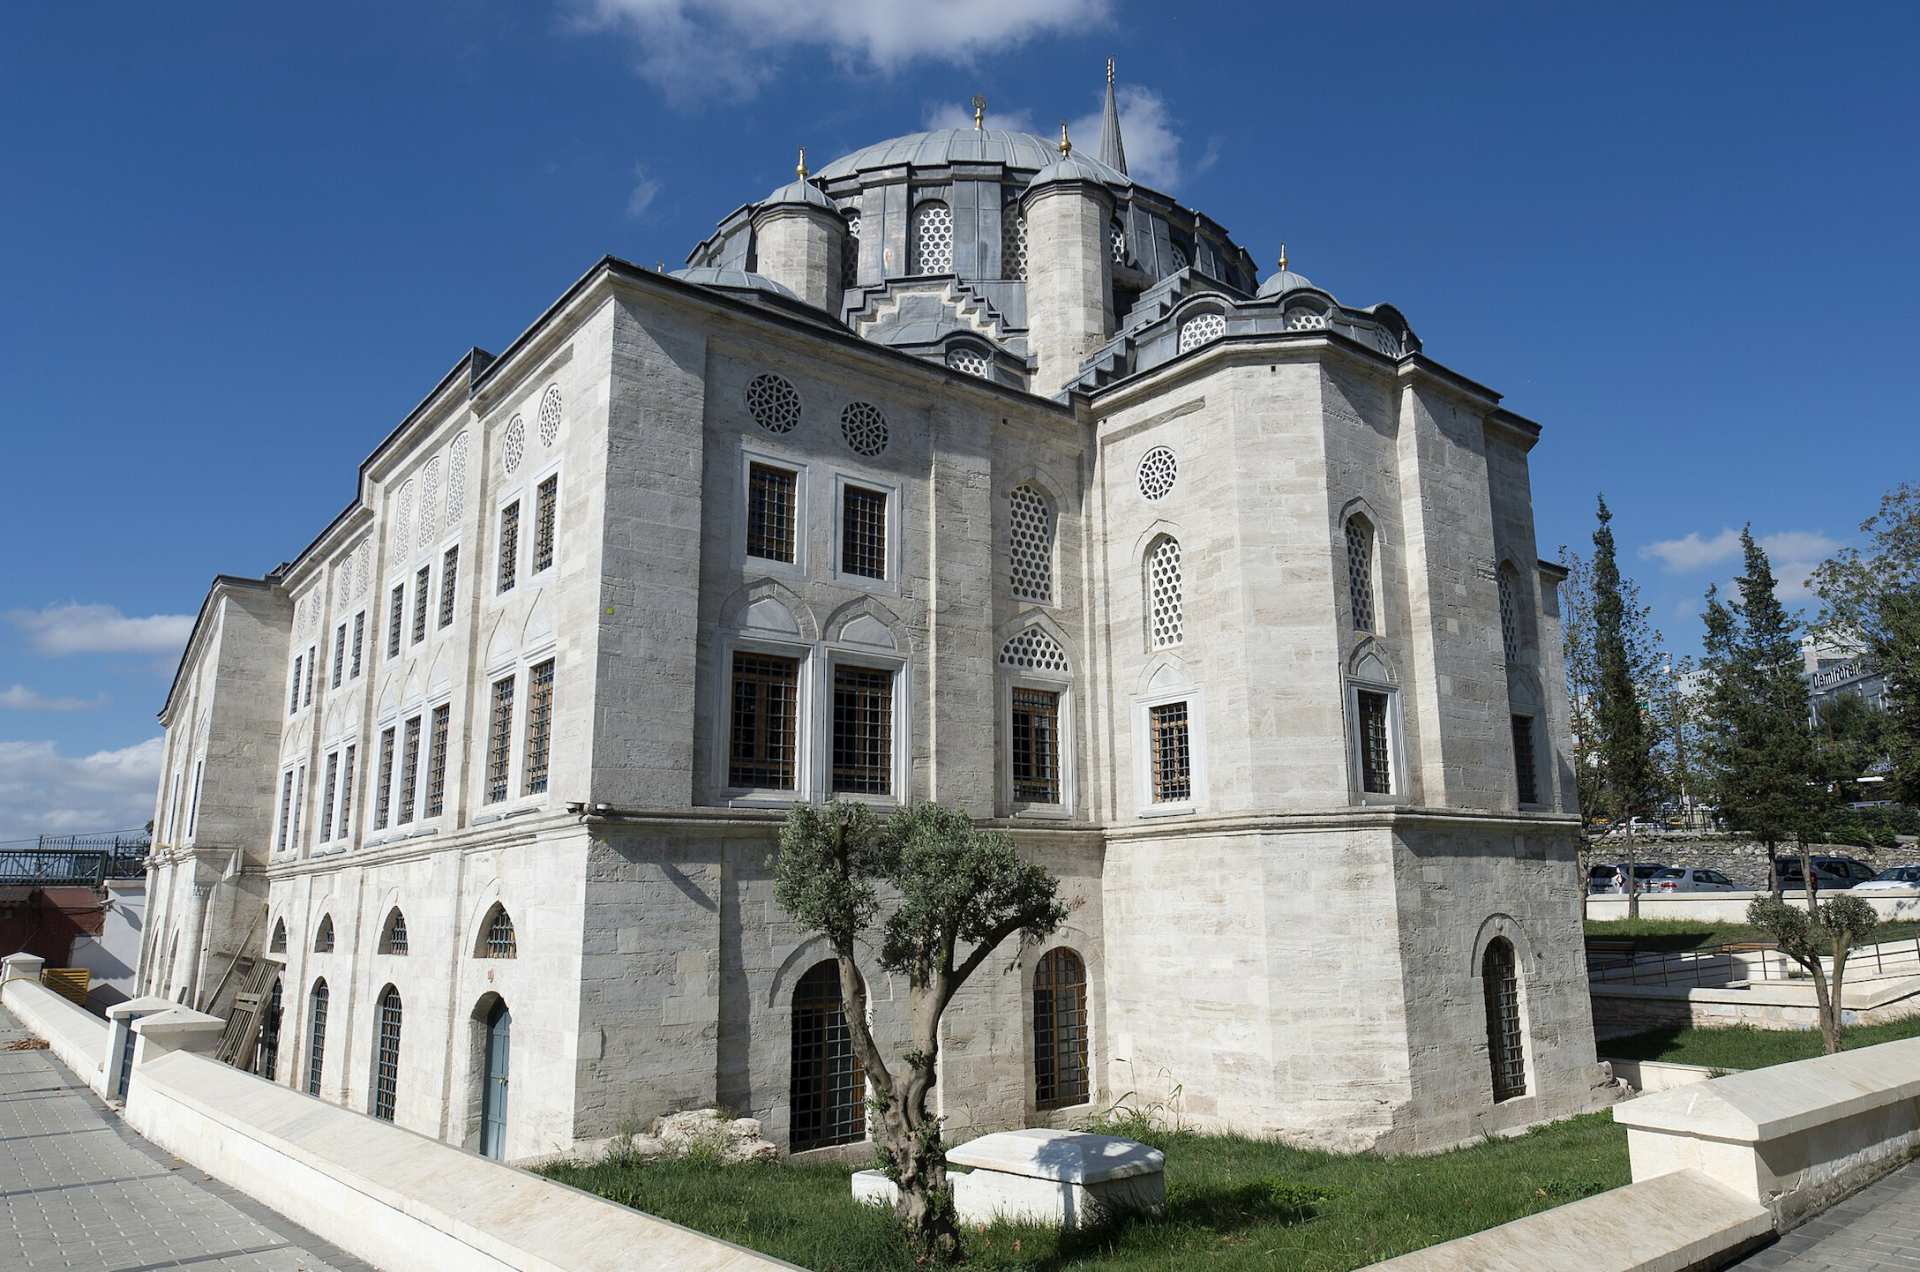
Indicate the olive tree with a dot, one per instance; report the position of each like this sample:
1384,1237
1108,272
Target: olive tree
940,894
1839,924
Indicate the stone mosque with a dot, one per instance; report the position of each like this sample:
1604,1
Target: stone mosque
965,468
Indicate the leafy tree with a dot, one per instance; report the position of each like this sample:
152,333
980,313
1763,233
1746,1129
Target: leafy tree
947,885
1838,925
1623,666
1583,684
1674,721
1848,735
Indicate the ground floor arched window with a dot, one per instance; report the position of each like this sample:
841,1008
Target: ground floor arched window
316,1035
1060,1030
386,1054
1500,980
829,1089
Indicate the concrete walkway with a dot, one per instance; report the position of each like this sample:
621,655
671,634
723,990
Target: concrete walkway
82,1193
1875,1230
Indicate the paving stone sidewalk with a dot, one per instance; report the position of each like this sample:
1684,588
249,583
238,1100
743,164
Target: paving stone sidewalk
1875,1230
82,1193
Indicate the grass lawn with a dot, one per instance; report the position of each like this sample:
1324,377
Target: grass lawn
1670,935
1743,1047
1232,1203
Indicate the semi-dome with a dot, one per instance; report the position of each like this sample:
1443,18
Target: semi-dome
801,191
943,146
1073,166
1284,281
734,280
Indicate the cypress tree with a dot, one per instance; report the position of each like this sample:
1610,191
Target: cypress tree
1625,746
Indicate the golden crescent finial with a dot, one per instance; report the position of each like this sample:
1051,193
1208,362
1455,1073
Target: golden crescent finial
801,167
1066,147
1283,253
979,113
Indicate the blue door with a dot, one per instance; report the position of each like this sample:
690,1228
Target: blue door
493,1083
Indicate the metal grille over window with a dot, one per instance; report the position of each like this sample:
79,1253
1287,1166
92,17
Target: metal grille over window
499,738
862,731
1033,650
550,416
359,642
420,582
932,238
1376,758
1172,753
1117,236
514,446
864,427
1031,524
1013,246
409,771
1523,769
509,546
863,532
1501,982
539,725
773,402
1360,572
765,710
317,1041
1157,472
500,940
449,575
339,656
383,801
396,614
278,945
437,762
395,940
770,512
326,797
1165,606
286,811
323,939
828,1091
293,703
313,660
386,1058
546,508
1060,1031
850,262
266,1045
346,793
1036,746
456,480
1201,329
968,361
1509,626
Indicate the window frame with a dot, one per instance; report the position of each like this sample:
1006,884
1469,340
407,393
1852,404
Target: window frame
506,581
802,522
530,520
1011,679
1144,805
890,585
1396,744
899,738
1542,787
802,656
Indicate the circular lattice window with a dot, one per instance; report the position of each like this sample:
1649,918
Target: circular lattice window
550,415
933,238
864,428
1013,246
1117,236
1201,329
1163,586
515,445
1179,257
1305,320
1158,469
1031,523
969,361
773,403
1034,650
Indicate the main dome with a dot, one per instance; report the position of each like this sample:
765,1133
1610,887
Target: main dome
943,146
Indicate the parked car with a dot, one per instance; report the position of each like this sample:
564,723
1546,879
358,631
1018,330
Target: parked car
1606,881
1691,879
1898,881
1829,873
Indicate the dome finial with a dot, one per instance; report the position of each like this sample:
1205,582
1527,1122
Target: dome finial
979,113
1109,70
1283,253
1066,147
801,168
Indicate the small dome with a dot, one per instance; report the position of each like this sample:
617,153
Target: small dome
1283,282
1076,166
802,192
733,280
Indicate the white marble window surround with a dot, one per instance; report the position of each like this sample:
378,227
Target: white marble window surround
1144,803
807,696
519,666
802,519
890,585
1363,682
1060,685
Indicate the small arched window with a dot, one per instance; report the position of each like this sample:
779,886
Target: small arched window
932,238
1013,245
1500,981
1166,618
278,945
393,938
1201,329
970,360
1360,572
1031,547
1509,617
386,1054
316,1035
497,938
829,1088
323,935
1060,1030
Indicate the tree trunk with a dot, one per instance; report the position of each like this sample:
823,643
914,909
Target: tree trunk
1829,1007
1832,1013
1633,880
1773,869
1807,880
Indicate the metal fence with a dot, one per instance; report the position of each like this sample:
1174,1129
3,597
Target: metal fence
73,861
1713,968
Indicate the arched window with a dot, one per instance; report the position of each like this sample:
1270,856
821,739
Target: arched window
1201,329
1166,617
323,935
1117,238
278,945
386,1054
496,938
932,238
829,1089
316,1035
1060,1030
1031,549
1509,619
1500,980
1360,571
970,360
393,938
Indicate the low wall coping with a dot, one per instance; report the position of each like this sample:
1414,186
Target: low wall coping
145,1005
1782,1099
1854,996
73,1033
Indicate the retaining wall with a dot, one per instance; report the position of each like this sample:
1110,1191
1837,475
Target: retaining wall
1729,907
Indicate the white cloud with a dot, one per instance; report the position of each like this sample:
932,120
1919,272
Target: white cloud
45,793
1682,556
101,629
694,48
21,698
956,115
1146,130
645,190
1794,554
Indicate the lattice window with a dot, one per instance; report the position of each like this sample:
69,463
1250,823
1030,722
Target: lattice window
539,726
1157,472
514,447
449,576
346,792
1509,620
394,939
327,792
970,361
396,615
862,731
278,945
1387,342
437,760
383,797
499,941
421,579
403,522
1033,650
1060,1072
299,800
1117,240
1376,753
546,509
1167,621
409,772
828,1090
1031,550
323,935
509,547
863,532
456,480
1179,257
773,402
1035,748
1013,245
386,1056
770,512
1201,329
1172,753
1500,980
763,747
850,261
1305,320
932,238
500,740
865,428
1360,572
550,416
1526,780
317,1035
430,501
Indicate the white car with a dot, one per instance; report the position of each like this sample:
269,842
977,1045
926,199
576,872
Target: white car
1690,879
1898,881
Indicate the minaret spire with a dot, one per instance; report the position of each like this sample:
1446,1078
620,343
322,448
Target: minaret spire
1112,153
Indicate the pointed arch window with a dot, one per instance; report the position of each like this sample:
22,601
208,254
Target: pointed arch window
497,940
1360,572
932,238
1509,617
386,1055
1031,545
393,940
323,935
316,1032
828,1089
278,945
1500,981
1060,1031
1166,622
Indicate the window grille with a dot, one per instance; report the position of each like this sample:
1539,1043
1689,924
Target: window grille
339,656
850,262
266,1047
383,797
1031,526
293,703
766,699
359,641
1013,246
499,739
395,940
313,658
932,238
323,935
1060,1076
193,805
509,546
1201,329
437,761
550,416
770,512
863,532
420,583
1172,753
499,941
409,772
865,428
1360,572
1509,625
969,361
539,725
514,445
386,1059
347,773
1376,762
1157,472
828,1092
1164,602
1117,237
1523,768
326,796
862,731
429,501
456,480
546,507
317,1038
773,402
299,800
278,945
449,573
1033,650
396,613
286,810
1501,983
1036,746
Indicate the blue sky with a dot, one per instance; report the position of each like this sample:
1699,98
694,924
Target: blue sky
238,242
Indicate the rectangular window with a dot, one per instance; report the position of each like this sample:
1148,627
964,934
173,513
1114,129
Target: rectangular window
299,801
1172,753
293,702
437,762
327,793
346,792
1376,763
1523,759
359,640
1036,746
409,772
396,611
862,731
545,508
193,805
313,658
509,546
383,797
286,811
766,699
449,571
499,740
539,725
339,656
770,512
420,584
863,532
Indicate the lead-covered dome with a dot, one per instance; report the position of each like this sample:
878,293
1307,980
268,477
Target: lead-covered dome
943,147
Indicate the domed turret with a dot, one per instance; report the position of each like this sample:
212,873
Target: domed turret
800,239
1285,280
1069,210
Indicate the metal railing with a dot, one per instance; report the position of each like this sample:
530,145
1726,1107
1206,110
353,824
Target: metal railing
71,861
1714,968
